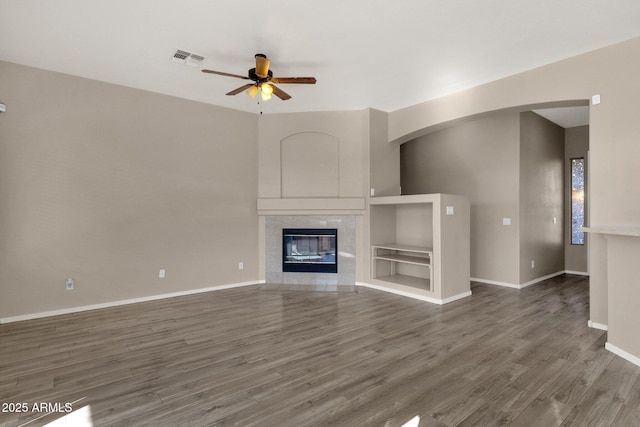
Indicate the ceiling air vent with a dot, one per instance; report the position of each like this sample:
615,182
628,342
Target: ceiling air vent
195,60
180,56
188,58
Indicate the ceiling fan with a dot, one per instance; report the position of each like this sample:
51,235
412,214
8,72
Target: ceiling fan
263,80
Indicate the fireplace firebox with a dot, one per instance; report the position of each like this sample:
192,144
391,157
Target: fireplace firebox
310,250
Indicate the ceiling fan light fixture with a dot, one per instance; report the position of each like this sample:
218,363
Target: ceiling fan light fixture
252,91
266,89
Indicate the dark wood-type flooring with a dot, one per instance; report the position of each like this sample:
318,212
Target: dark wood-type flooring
255,357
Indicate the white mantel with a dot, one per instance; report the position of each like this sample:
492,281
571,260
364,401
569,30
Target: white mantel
312,206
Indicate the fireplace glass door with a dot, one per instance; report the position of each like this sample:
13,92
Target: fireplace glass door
312,250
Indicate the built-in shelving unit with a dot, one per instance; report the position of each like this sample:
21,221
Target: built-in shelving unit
395,256
420,246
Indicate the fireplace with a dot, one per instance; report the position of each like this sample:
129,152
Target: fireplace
275,227
310,250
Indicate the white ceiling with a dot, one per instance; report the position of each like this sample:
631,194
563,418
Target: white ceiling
567,117
365,53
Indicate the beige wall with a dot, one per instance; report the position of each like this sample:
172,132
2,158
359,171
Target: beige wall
384,168
576,145
108,185
624,317
541,197
310,165
509,165
349,131
614,126
382,174
455,245
480,160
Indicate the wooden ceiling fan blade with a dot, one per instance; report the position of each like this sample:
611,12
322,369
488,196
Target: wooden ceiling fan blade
295,80
220,73
280,93
262,65
241,89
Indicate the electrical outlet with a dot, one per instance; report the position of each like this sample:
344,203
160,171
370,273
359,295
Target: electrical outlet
162,274
533,263
241,265
70,284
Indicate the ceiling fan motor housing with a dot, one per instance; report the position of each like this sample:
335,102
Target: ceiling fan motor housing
256,78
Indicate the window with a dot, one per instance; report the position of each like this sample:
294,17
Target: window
577,200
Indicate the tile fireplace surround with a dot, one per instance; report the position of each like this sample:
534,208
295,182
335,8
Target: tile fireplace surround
346,226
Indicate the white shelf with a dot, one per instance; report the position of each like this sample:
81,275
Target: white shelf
404,248
414,282
405,259
403,254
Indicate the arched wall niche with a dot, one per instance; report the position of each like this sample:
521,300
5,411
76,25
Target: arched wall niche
310,165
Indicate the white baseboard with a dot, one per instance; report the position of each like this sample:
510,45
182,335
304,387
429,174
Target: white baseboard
595,325
414,295
524,285
577,273
455,298
123,302
493,282
619,352
542,279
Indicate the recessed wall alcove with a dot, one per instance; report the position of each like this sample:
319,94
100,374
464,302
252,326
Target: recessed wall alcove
310,165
